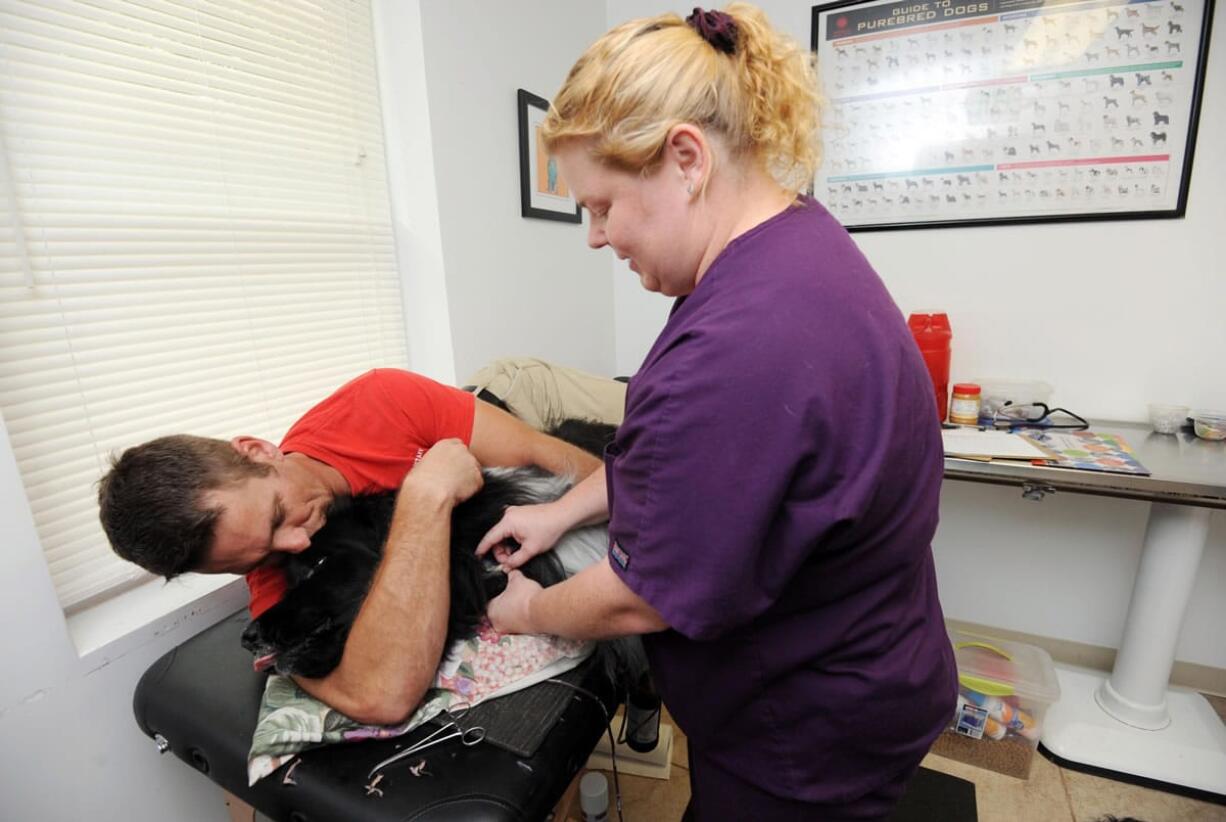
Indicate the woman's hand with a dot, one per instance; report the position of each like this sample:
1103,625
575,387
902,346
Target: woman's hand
508,612
536,528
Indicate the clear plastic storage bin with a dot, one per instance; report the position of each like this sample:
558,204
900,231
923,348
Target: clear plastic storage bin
1004,691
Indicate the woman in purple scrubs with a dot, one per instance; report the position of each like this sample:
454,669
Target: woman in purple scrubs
772,493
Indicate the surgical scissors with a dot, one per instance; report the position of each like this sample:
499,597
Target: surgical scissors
450,730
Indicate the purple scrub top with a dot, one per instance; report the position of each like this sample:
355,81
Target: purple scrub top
773,494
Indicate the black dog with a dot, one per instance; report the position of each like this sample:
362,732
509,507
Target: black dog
305,632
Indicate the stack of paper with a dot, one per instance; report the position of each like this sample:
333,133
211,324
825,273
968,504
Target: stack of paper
976,444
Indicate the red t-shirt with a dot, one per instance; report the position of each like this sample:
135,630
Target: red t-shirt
373,430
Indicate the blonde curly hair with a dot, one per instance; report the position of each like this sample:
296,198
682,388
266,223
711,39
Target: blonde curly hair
642,78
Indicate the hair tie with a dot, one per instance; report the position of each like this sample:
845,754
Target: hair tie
716,27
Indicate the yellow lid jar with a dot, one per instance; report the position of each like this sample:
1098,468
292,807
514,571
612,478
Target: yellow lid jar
964,408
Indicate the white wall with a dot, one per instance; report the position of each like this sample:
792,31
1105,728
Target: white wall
515,286
1115,315
413,187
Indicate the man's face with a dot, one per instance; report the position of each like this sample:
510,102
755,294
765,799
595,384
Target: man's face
262,518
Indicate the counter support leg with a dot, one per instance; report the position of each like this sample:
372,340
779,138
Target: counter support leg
1133,722
1174,541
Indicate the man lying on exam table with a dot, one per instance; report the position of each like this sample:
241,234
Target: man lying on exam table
183,503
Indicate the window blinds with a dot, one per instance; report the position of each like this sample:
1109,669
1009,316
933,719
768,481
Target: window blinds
195,236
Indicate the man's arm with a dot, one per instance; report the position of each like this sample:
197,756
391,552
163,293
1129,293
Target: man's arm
394,647
501,439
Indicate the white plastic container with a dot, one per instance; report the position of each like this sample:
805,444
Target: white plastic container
1004,691
594,797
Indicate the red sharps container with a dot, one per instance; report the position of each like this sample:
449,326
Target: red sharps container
932,335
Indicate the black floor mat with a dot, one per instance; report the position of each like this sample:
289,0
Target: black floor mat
936,797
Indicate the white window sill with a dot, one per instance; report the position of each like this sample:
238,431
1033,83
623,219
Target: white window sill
186,605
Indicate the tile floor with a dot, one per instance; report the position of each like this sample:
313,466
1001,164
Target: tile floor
1051,794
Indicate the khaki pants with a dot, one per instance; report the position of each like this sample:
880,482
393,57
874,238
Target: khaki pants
541,394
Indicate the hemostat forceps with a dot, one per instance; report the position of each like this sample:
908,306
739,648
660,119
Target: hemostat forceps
450,730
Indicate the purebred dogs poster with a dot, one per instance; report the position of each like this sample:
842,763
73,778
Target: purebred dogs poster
956,112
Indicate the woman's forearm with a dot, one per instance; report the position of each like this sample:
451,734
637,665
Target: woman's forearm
587,503
593,604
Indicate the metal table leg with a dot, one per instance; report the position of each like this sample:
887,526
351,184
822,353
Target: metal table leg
1132,722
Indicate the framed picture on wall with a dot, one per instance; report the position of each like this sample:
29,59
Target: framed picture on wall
542,191
981,112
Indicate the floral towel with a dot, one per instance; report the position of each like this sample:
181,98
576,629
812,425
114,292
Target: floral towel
474,670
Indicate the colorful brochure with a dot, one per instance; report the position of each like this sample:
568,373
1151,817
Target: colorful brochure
1087,450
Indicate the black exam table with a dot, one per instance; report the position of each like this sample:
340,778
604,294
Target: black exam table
201,700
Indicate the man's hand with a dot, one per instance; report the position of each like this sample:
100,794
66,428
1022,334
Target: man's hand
448,469
536,528
508,612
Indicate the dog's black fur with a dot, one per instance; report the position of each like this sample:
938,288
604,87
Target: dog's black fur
305,632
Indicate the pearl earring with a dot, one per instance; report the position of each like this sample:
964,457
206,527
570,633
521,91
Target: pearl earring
689,189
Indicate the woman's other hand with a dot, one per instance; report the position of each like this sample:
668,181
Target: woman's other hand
536,528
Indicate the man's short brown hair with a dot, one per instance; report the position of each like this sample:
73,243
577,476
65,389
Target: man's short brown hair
150,500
